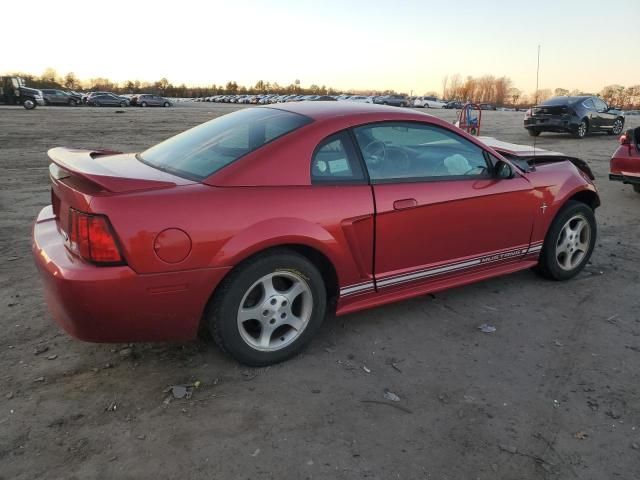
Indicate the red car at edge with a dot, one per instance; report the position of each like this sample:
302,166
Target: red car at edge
625,162
257,223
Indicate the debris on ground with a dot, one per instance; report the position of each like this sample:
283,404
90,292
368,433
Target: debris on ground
581,435
635,446
180,391
52,357
389,395
367,370
256,453
9,395
112,407
40,349
508,448
394,405
126,352
486,328
556,404
38,380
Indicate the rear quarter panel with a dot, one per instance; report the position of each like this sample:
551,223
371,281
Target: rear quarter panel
226,225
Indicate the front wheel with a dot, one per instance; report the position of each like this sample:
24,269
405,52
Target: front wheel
167,104
569,242
29,104
72,103
123,104
143,104
533,132
618,125
268,308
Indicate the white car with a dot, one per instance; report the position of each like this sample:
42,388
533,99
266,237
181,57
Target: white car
360,99
428,102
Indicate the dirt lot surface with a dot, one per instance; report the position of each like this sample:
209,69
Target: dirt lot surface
553,393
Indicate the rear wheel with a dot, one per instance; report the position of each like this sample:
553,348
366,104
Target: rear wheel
582,130
143,104
268,308
123,104
569,242
533,132
636,188
167,104
72,103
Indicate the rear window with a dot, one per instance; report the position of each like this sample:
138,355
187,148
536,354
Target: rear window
205,149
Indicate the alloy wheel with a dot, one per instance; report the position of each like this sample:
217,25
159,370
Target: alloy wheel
275,310
573,242
617,127
582,129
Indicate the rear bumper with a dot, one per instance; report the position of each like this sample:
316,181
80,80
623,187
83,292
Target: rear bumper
625,178
116,304
551,124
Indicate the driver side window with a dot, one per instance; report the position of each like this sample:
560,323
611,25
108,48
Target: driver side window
406,151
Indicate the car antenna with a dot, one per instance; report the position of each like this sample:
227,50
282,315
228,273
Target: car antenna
536,102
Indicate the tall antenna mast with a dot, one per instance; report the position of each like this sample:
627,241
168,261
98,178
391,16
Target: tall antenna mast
536,100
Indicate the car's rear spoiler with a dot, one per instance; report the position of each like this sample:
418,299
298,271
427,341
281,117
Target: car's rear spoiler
106,175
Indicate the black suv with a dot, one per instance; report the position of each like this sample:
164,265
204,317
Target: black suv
576,115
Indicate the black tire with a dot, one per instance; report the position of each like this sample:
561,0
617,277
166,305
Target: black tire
222,311
97,104
534,132
636,188
123,104
582,130
143,104
72,103
29,103
548,264
618,126
166,104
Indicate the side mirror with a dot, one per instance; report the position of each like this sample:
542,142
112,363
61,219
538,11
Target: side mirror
502,170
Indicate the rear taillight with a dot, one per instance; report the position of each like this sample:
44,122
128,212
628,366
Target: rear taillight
91,237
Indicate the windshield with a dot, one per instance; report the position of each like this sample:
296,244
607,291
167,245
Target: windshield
205,149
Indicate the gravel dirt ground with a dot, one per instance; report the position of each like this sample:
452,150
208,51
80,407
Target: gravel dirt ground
554,393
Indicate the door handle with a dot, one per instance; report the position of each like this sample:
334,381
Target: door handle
405,203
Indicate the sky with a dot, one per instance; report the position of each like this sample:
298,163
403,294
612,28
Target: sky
404,45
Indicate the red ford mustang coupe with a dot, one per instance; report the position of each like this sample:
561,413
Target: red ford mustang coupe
625,162
256,223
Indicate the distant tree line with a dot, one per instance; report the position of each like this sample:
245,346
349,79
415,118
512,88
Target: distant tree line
501,92
486,89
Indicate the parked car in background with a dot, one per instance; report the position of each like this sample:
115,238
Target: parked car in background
578,115
322,98
107,99
228,226
360,99
428,102
149,100
453,105
624,165
60,97
393,100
